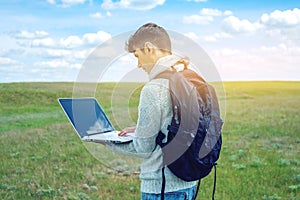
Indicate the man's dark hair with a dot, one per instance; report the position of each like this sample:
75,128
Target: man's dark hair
149,32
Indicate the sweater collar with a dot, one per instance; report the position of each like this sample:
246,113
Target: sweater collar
170,62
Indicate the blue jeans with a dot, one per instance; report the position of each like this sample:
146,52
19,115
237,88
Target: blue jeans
185,194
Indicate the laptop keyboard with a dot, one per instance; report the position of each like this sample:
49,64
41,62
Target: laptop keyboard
111,136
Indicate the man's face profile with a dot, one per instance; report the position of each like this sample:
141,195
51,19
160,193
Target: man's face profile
145,60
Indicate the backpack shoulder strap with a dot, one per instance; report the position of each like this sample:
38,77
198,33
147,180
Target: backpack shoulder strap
165,74
192,75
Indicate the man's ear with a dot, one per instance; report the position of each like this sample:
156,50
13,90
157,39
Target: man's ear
149,47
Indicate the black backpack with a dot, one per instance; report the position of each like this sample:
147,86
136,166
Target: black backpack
194,135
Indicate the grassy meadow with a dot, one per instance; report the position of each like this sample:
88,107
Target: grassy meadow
41,157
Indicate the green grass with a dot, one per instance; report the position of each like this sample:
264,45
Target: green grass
42,158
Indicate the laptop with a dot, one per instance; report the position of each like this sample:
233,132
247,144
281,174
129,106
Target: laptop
90,122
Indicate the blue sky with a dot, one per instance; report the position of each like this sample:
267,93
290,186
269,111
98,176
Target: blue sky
49,40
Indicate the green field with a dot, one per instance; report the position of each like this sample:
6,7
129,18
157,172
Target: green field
42,158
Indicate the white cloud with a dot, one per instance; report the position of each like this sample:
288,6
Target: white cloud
198,0
66,3
279,62
70,2
108,4
11,52
108,14
57,64
80,55
96,38
227,12
282,18
205,16
10,67
30,35
72,41
51,1
282,50
96,15
7,61
124,69
69,55
233,24
192,35
131,4
57,53
217,36
211,12
197,19
291,33
282,25
45,42
226,52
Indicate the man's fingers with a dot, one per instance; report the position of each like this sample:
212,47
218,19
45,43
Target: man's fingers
122,133
127,130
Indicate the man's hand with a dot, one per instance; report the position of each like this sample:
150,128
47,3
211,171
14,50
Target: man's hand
127,130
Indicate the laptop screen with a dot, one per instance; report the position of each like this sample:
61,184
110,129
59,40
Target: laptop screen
86,115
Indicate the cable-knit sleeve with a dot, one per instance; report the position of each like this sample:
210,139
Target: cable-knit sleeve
152,113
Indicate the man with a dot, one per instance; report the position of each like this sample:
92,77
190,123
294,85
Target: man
151,45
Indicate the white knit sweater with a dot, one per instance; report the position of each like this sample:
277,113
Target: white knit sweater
155,114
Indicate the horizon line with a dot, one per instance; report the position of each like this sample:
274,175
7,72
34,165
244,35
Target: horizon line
225,81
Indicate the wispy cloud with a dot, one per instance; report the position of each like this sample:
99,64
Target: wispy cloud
44,42
70,42
131,4
57,64
211,12
198,0
235,25
95,38
51,54
96,15
192,35
205,16
51,1
24,34
66,3
280,18
284,25
197,19
216,36
255,63
7,61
